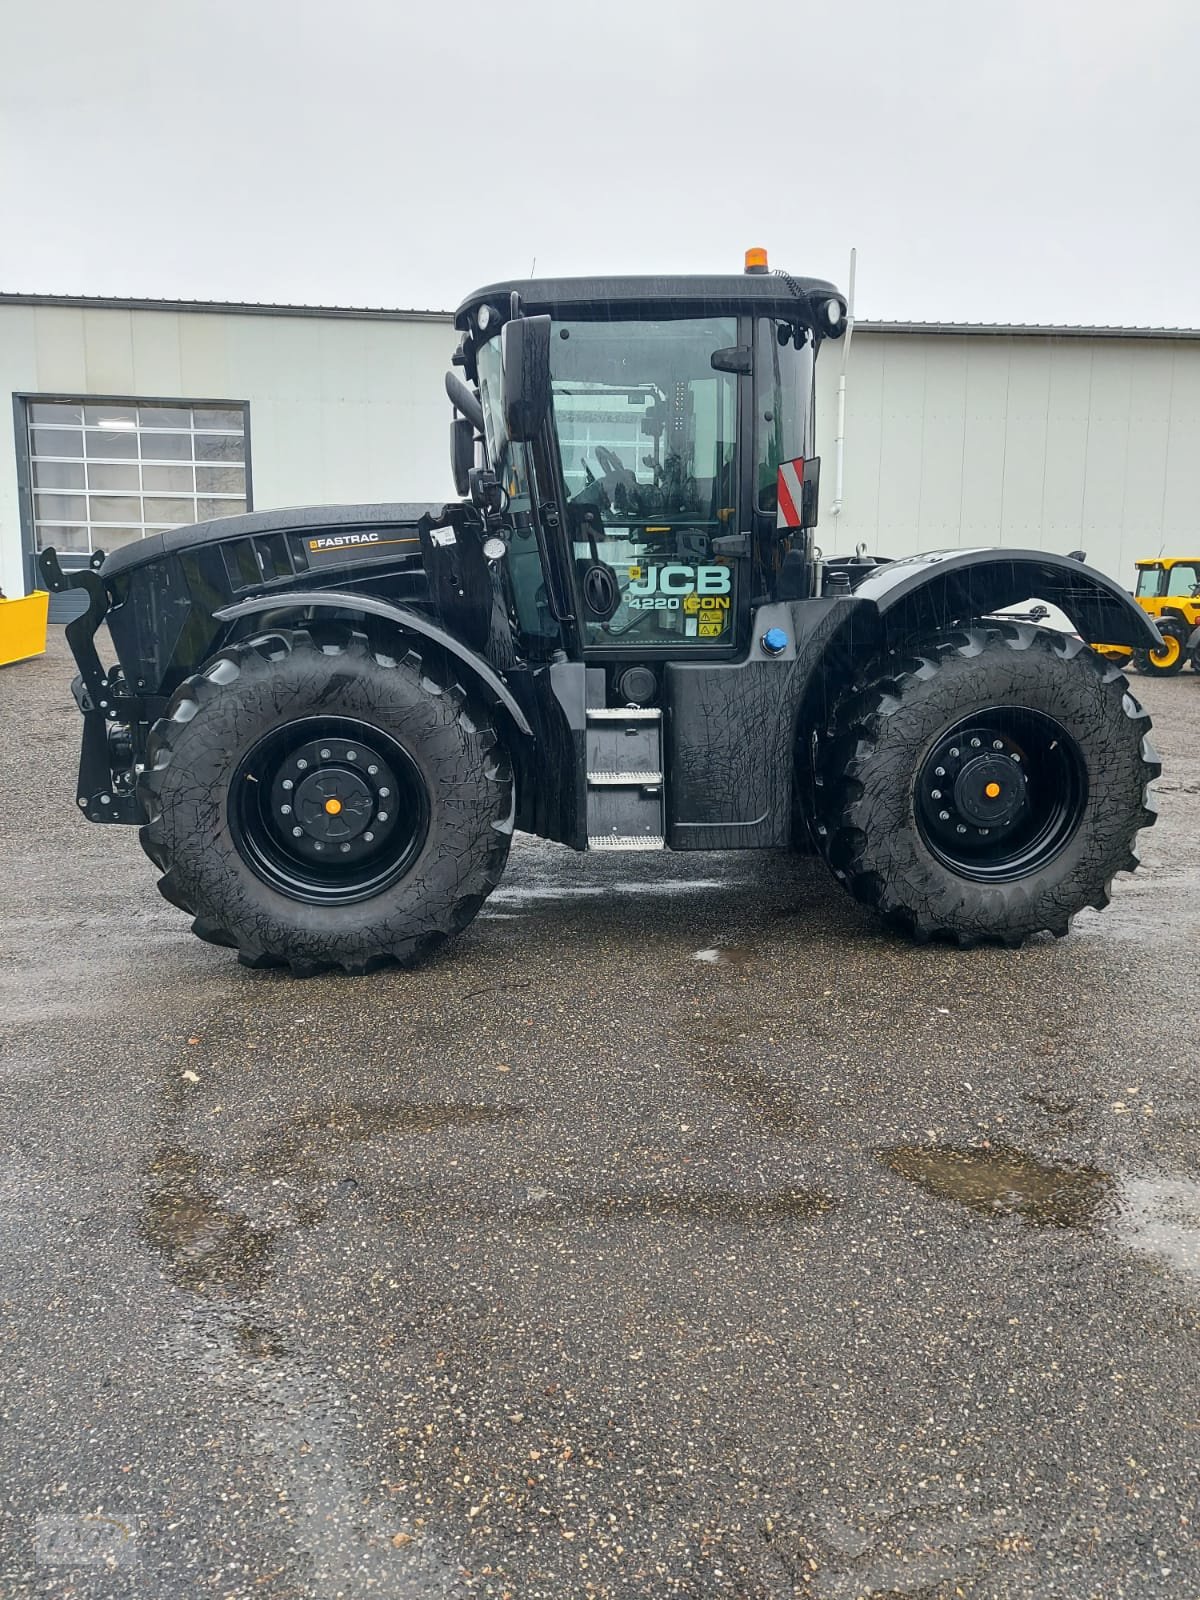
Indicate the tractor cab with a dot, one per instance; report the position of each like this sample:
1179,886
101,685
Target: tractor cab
632,436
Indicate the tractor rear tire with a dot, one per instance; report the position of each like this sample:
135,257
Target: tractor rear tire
1172,658
986,785
325,805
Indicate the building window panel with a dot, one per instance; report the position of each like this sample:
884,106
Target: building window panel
116,508
172,511
111,444
57,442
177,417
167,480
111,416
52,411
113,475
218,447
169,446
74,540
224,420
60,507
145,466
227,507
58,475
220,480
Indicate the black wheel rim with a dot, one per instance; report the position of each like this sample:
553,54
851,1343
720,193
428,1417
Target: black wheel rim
328,810
1001,793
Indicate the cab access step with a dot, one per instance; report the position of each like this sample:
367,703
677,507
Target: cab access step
625,778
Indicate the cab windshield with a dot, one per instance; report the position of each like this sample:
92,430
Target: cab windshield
647,433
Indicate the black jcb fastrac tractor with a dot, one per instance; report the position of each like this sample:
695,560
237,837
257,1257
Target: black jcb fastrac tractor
622,636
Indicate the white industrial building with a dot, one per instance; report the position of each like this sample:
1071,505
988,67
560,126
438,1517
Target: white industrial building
129,415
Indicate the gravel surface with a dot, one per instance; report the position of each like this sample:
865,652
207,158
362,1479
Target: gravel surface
678,1232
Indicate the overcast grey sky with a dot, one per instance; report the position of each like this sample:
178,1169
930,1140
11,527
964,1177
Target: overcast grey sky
1022,160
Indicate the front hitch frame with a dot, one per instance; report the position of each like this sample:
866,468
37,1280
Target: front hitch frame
99,695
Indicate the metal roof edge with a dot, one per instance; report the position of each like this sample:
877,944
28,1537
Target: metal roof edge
87,302
1024,330
994,330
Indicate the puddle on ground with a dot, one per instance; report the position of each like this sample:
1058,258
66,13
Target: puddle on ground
724,955
207,1248
1003,1182
522,894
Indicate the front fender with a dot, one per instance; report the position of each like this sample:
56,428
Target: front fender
944,587
410,621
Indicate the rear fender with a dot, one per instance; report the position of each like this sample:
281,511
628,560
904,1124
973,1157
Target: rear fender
282,606
926,593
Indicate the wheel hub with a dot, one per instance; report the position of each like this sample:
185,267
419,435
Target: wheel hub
329,810
997,797
332,796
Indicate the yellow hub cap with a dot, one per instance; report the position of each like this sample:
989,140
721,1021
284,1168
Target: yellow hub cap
1169,654
333,807
992,790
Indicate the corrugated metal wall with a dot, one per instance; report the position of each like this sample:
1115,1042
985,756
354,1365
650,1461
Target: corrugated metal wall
1059,443
340,409
1056,443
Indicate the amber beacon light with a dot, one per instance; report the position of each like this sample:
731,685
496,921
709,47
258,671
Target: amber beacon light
756,259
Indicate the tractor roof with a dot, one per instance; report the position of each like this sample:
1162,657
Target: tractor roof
1148,563
601,299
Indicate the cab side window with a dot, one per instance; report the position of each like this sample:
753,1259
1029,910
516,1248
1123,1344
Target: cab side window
1184,579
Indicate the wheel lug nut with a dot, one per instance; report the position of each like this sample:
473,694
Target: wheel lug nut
935,794
985,830
1015,757
324,755
297,832
939,772
944,815
317,845
285,811
368,836
372,769
997,744
383,793
345,849
961,829
382,817
954,750
303,765
287,784
351,755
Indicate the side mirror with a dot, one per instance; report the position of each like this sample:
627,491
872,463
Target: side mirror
462,454
810,492
735,358
525,386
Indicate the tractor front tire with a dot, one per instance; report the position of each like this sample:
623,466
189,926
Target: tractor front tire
324,804
986,785
1171,657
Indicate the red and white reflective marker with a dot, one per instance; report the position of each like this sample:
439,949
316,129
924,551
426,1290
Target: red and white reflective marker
789,493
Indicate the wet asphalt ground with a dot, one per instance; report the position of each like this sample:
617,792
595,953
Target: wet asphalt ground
676,1233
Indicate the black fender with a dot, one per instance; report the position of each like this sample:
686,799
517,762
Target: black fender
410,621
944,587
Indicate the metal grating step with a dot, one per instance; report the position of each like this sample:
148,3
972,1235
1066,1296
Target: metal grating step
624,714
615,779
627,841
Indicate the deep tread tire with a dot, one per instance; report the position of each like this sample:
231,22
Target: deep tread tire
1170,629
879,736
250,689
